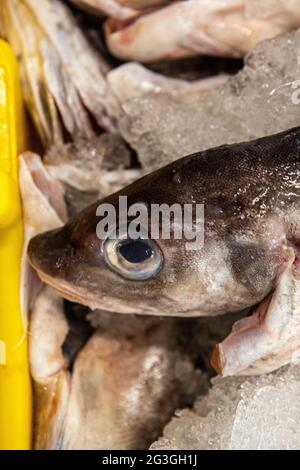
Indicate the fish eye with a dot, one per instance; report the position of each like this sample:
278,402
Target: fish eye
137,260
135,251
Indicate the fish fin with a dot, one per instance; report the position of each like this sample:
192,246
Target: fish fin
270,337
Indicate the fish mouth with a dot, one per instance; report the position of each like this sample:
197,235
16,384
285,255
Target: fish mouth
85,297
80,296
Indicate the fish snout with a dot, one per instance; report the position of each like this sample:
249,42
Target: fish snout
48,251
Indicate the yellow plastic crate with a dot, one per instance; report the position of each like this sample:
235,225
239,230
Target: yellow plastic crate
15,386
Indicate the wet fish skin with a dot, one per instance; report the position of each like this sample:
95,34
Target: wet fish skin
126,388
122,388
250,193
106,7
119,9
221,28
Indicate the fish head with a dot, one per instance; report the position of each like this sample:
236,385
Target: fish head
248,255
227,266
116,273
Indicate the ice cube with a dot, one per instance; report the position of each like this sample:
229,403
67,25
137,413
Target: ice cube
245,413
261,99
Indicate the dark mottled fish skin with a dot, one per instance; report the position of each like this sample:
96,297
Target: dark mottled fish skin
250,192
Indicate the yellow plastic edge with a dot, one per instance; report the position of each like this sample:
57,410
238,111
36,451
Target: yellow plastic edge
15,384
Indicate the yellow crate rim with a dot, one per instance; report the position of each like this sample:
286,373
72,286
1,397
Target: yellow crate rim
15,386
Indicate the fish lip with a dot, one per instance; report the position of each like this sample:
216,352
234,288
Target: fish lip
79,295
64,290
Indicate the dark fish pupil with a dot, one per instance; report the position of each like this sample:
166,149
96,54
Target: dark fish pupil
135,251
